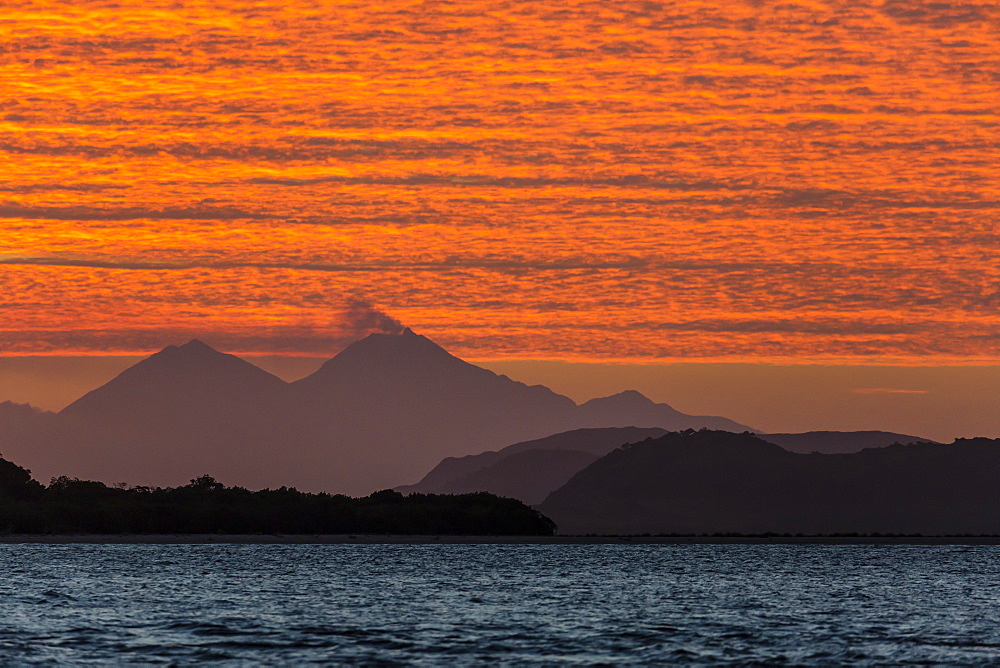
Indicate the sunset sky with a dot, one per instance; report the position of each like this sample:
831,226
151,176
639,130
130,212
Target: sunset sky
628,182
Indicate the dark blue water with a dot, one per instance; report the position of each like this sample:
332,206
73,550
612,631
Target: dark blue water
802,604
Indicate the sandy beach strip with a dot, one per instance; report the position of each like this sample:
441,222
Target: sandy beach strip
376,539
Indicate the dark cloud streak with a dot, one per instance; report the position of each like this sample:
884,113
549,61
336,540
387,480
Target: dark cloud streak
126,213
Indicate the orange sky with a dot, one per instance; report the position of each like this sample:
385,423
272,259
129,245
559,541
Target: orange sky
599,180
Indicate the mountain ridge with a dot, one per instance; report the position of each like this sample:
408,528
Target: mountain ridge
385,409
192,367
499,471
710,482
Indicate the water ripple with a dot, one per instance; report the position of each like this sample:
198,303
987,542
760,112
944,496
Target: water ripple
572,604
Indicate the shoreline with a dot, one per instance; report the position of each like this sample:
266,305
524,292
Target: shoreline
397,539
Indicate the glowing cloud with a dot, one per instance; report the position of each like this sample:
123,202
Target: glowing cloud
640,180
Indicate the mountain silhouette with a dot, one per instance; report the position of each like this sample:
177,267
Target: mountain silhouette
632,409
531,479
402,403
388,382
708,482
185,407
527,476
184,383
385,409
454,473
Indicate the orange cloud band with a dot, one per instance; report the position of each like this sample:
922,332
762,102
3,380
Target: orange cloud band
588,181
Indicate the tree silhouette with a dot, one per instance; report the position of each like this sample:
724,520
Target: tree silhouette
70,505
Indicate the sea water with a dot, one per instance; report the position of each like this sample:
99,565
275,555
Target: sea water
438,604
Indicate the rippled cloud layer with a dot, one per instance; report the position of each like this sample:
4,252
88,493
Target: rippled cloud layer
579,180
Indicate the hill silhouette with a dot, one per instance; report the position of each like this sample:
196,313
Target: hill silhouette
709,482
839,442
458,473
509,472
527,476
386,409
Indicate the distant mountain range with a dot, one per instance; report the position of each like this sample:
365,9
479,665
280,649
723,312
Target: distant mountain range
528,471
708,482
531,470
386,409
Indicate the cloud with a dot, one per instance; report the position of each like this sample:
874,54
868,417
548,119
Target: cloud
746,170
627,262
638,181
18,260
876,199
70,187
354,319
797,326
886,390
935,13
821,125
126,213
